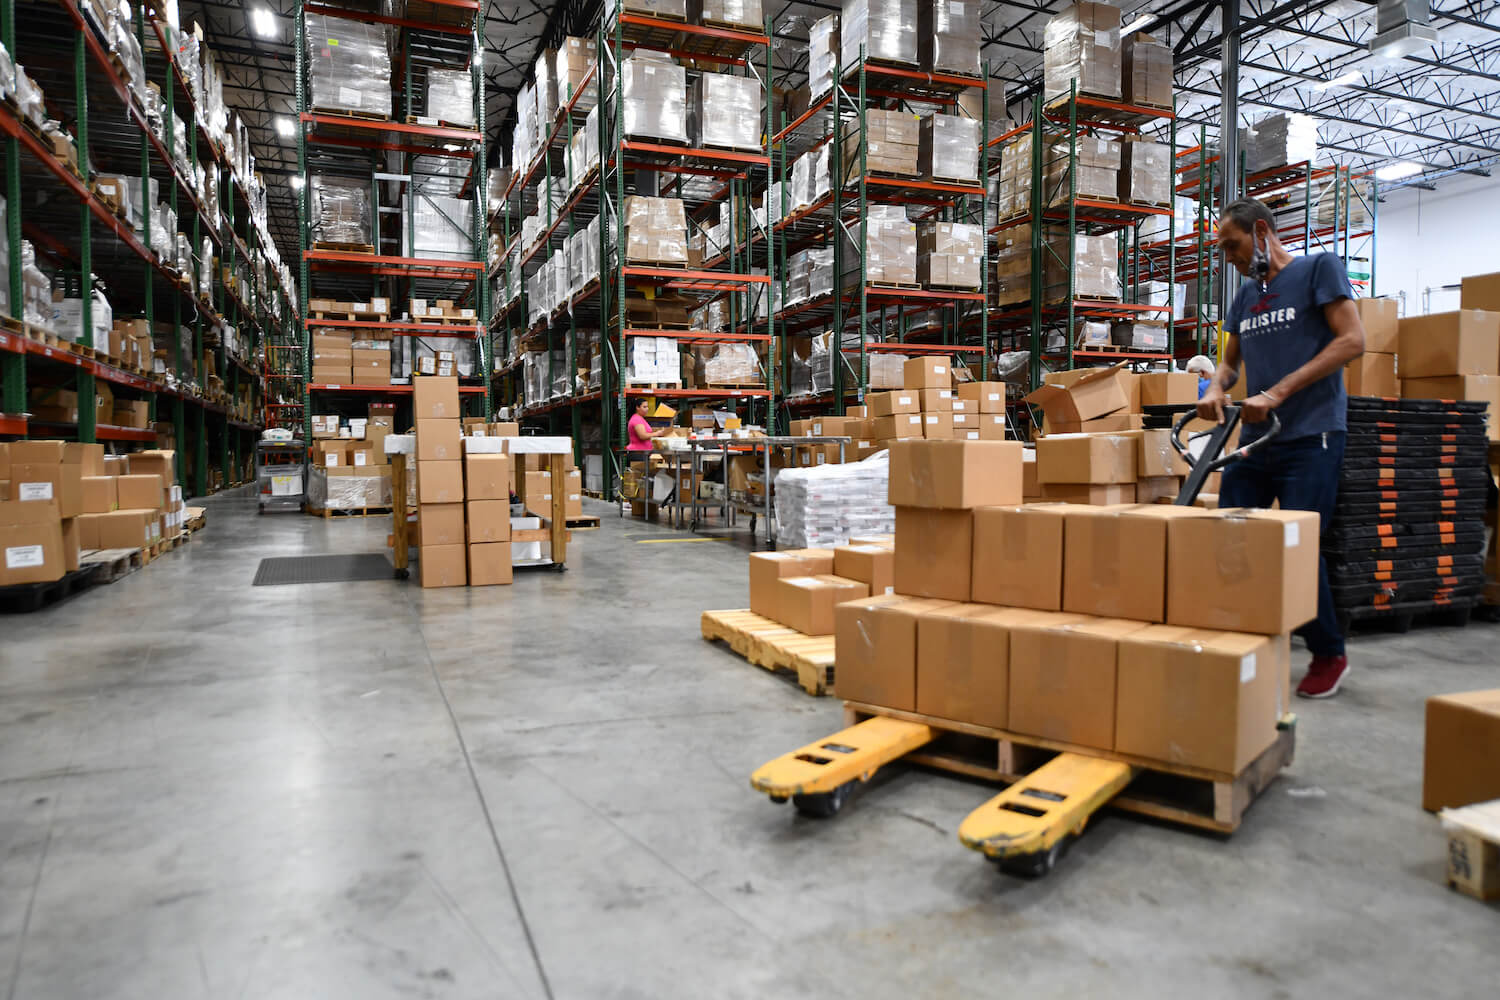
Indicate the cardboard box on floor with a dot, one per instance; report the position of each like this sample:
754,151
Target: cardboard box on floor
161,462
31,542
99,493
1461,759
490,563
143,492
766,568
1063,678
955,474
806,603
876,647
443,565
488,521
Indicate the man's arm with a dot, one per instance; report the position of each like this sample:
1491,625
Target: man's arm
1211,405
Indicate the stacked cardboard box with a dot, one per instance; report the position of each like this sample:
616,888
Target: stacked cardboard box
655,230
1082,49
1454,355
440,482
487,480
892,143
950,255
1374,372
332,356
948,148
890,251
1095,166
370,362
1146,71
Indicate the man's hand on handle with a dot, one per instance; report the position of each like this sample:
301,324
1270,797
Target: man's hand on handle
1257,408
1211,405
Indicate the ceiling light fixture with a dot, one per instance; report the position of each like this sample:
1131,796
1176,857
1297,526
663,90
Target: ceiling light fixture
296,182
1342,80
1137,24
1399,170
262,23
285,127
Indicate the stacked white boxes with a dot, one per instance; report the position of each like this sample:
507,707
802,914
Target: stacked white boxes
826,505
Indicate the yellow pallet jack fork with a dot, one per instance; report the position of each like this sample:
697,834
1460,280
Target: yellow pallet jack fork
819,777
1027,827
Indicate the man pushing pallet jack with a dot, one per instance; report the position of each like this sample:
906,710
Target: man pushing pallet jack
1027,827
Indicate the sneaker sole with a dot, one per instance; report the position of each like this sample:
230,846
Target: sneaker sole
1331,691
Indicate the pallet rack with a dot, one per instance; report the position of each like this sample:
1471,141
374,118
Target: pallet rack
109,128
703,178
437,34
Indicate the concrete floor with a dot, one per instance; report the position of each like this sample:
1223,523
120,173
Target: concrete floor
357,790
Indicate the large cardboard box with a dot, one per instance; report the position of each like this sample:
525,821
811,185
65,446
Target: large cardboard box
1243,570
488,521
1115,559
161,462
955,474
1075,396
1167,388
934,552
872,565
443,565
1018,556
875,642
1063,679
1199,698
886,404
1461,761
435,397
1465,342
439,441
963,662
440,524
806,603
989,397
145,492
31,543
90,457
1479,291
121,529
1372,375
99,494
766,568
896,426
37,452
440,482
489,563
1086,458
1480,387
1096,495
935,400
1379,318
488,477
56,483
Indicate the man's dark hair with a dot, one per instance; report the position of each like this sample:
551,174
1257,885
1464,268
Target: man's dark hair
1246,212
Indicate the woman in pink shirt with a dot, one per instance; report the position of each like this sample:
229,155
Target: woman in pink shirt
639,430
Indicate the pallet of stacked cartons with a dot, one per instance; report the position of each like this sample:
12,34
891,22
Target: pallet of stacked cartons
440,481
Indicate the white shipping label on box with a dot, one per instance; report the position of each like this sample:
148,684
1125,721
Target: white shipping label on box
331,459
359,458
35,491
24,556
1293,534
903,400
349,97
1247,669
939,369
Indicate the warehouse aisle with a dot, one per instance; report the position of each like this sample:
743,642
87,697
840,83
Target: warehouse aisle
209,789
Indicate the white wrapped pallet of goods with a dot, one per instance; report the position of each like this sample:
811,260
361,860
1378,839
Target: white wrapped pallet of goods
340,210
810,182
1145,173
655,93
655,230
727,112
826,505
822,55
1081,45
574,63
949,34
348,65
450,96
742,15
948,148
1279,140
545,80
444,227
884,30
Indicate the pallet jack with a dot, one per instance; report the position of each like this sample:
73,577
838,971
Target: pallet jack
1027,827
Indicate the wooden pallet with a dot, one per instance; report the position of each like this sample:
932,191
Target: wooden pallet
354,314
934,286
12,324
633,384
23,598
344,247
369,116
334,512
773,646
583,522
429,121
1190,796
1115,349
112,563
894,286
196,519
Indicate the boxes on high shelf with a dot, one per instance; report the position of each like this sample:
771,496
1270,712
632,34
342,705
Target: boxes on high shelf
948,148
1464,342
1082,50
655,230
1146,71
876,639
892,142
950,255
949,36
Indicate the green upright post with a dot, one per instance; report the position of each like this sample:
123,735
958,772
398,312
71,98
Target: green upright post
87,411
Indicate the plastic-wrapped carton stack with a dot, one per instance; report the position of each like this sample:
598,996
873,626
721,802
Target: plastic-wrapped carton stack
655,230
822,55
948,148
332,356
1013,190
1097,173
340,210
1095,267
829,504
1082,44
1013,265
450,96
744,15
575,57
891,147
349,67
949,33
727,111
652,359
810,182
1278,141
886,31
1146,71
444,227
950,255
655,93
1145,173
890,256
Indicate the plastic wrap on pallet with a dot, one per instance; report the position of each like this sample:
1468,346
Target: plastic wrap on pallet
1095,267
1146,71
652,359
29,98
822,55
1278,141
1013,265
890,256
948,148
727,111
891,145
450,96
740,14
809,178
950,255
820,362
1082,43
583,152
348,65
463,350
1145,173
559,264
545,78
655,230
36,290
340,210
7,75
655,93
444,227
733,364
1138,335
885,29
887,371
820,271
206,267
1157,293
574,59
1014,189
949,34
1098,169
826,505
1091,333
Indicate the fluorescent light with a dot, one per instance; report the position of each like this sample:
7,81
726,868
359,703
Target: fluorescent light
285,127
262,22
296,182
1137,24
1399,170
1342,80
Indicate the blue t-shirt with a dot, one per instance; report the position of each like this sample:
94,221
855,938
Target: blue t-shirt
1282,329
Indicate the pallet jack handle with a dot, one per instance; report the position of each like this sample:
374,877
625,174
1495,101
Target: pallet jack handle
1210,461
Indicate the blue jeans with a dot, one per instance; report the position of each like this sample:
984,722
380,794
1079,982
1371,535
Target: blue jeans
1304,475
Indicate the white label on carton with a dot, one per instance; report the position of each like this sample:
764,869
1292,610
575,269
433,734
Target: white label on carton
36,491
890,590
1247,669
994,397
971,435
24,556
932,418
945,394
331,459
939,369
1293,534
903,400
916,418
359,458
349,97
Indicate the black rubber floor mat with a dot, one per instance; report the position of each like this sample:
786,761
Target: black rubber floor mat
322,569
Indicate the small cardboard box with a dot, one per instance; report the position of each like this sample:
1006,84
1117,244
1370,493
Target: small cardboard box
1155,455
435,397
989,397
443,565
1465,342
1199,698
487,477
1372,375
955,474
766,568
1018,556
1243,570
934,552
488,521
100,495
935,400
1096,459
963,662
439,440
806,603
161,461
886,404
1168,388
872,565
440,524
897,426
937,426
1380,320
1461,760
1474,849
876,643
440,482
144,492
1076,396
927,373
57,483
1063,678
123,529
490,563
31,543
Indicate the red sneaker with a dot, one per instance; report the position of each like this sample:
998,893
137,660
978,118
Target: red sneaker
1324,675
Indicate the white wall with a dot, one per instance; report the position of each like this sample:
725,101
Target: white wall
1427,239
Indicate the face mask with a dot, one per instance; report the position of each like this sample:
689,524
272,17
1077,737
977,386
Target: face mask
1260,261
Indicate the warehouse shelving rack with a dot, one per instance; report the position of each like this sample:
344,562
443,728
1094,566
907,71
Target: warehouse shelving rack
432,34
869,318
63,47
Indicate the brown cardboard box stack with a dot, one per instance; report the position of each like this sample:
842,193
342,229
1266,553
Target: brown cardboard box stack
892,145
801,588
949,255
440,482
332,356
1374,372
370,362
1146,71
1155,631
1455,355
